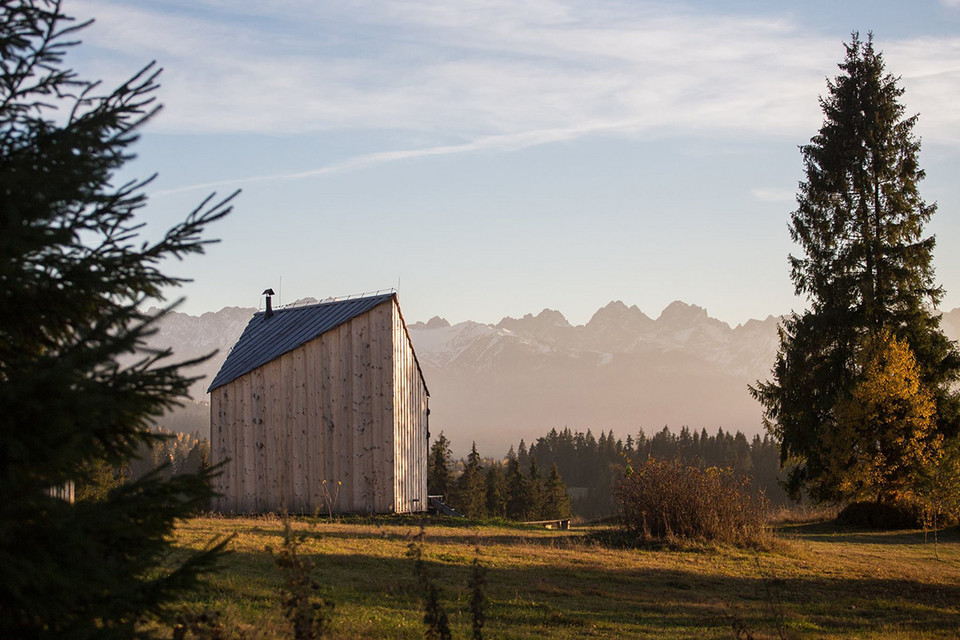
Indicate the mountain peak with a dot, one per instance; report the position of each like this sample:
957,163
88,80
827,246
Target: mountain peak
617,309
755,324
547,322
617,314
436,322
553,317
679,312
615,306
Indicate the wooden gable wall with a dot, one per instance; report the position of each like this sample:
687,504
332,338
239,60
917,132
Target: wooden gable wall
338,423
409,423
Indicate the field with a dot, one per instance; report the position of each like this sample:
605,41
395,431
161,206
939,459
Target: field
820,581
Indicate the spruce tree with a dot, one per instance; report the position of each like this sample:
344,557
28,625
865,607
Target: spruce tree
496,491
523,456
516,490
556,503
533,491
865,267
438,467
471,488
75,279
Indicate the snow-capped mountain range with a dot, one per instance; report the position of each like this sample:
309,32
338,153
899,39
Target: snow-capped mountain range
747,349
622,370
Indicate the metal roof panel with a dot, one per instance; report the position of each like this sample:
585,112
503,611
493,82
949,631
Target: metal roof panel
264,340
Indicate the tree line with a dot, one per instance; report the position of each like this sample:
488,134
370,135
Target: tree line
592,464
583,470
510,488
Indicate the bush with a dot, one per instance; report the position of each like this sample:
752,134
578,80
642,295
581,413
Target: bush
880,515
672,501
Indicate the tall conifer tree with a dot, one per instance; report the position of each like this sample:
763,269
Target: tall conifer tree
75,277
471,488
438,466
865,267
556,500
496,491
516,489
533,491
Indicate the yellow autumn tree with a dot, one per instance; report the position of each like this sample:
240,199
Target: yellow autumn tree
885,443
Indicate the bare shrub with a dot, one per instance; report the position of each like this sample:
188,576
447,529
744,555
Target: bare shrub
802,514
668,500
434,617
881,515
478,598
309,614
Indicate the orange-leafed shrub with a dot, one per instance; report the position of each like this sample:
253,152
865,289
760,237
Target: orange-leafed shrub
668,500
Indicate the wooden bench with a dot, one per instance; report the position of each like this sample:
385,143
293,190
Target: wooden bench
562,523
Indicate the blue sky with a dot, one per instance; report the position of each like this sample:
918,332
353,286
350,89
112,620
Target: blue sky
498,158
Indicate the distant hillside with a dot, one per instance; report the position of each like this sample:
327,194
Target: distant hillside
495,384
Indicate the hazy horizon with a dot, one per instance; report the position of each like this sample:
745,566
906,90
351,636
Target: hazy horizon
496,386
648,313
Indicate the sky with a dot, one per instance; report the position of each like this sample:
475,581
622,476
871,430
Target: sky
495,158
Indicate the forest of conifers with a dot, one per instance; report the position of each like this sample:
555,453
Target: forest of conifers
590,465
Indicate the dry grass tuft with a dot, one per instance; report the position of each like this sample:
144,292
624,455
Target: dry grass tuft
802,514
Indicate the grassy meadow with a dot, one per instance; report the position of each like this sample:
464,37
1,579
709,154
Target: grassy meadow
818,581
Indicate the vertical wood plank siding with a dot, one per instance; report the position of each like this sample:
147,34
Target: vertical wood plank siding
260,451
245,443
337,424
64,492
410,423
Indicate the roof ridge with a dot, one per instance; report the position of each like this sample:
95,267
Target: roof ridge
334,299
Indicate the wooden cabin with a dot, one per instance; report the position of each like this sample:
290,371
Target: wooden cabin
322,408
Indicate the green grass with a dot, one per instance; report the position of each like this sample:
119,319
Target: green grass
559,584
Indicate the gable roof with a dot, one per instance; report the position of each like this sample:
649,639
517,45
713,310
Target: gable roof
264,340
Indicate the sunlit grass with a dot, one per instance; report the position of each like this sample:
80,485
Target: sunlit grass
560,584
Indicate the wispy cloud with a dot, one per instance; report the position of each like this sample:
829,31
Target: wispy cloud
506,142
472,68
930,68
494,73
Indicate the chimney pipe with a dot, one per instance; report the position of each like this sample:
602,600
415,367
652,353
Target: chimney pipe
269,309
